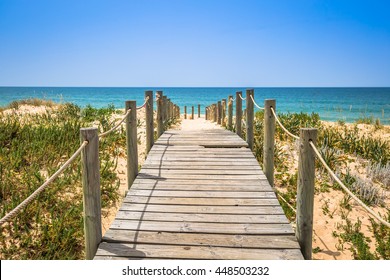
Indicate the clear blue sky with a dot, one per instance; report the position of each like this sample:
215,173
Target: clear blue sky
194,43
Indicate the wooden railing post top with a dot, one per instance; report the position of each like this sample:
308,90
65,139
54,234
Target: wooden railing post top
87,129
308,134
148,91
159,95
89,133
250,91
130,103
270,103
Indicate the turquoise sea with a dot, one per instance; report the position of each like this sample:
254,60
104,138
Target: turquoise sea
332,104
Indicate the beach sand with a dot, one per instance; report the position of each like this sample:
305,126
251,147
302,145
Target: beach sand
325,225
325,222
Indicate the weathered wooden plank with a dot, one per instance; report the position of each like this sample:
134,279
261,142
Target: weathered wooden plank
200,195
202,157
206,218
203,154
214,194
204,239
195,162
200,201
162,148
196,182
214,144
239,210
198,227
174,166
200,188
201,177
192,252
170,171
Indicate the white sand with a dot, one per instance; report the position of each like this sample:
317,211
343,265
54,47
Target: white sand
324,224
197,124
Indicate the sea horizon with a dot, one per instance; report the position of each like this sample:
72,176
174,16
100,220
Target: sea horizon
331,103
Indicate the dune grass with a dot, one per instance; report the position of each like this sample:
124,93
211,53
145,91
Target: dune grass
52,226
337,146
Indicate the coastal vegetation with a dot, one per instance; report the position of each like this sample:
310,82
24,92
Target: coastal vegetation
34,146
341,145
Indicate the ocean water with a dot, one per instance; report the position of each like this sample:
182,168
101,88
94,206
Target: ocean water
331,104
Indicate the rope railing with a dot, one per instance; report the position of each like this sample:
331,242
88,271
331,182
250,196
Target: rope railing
336,178
89,150
29,199
254,102
281,125
285,201
143,105
242,97
306,170
104,134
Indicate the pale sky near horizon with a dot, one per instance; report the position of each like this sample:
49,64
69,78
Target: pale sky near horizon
194,43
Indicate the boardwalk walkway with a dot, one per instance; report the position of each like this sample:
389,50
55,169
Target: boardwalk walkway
200,195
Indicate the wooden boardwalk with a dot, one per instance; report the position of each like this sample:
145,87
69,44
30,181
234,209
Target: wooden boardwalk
200,195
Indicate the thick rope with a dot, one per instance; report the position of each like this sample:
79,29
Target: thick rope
29,199
288,132
254,102
232,99
361,203
143,105
288,204
241,97
115,127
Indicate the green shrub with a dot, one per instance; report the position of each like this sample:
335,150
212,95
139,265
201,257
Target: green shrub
51,227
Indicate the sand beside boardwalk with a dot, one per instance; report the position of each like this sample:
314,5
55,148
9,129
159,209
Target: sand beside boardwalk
325,224
197,124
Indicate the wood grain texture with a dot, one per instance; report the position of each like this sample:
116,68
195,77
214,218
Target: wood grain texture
91,191
114,250
200,195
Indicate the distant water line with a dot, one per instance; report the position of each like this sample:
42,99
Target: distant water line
332,104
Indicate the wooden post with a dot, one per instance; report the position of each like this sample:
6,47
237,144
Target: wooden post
305,191
198,110
219,112
192,113
149,121
160,121
230,112
165,108
168,112
205,113
215,112
269,140
131,143
185,112
249,117
91,191
223,115
238,113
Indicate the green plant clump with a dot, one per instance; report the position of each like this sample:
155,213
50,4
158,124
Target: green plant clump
51,227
